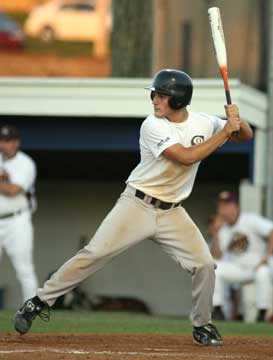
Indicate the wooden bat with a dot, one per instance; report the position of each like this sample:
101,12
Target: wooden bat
219,46
220,49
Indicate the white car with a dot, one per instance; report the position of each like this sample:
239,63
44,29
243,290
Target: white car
70,20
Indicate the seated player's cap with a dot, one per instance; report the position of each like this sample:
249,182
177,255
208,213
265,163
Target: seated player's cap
227,196
8,132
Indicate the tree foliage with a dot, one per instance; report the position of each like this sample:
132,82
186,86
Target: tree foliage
131,39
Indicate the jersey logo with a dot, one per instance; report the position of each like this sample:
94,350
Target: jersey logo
197,139
163,141
239,243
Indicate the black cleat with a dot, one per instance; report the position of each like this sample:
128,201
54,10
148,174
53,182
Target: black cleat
207,335
28,312
261,315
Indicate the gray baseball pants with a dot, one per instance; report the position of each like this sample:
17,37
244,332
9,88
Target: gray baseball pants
131,221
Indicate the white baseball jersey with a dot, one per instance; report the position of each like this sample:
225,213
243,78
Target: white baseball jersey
16,232
245,241
159,177
21,170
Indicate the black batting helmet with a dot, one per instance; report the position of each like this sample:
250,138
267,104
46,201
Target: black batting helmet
175,83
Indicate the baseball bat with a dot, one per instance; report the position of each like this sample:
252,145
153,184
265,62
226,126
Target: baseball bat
219,45
218,39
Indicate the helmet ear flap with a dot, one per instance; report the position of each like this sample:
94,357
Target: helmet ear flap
176,103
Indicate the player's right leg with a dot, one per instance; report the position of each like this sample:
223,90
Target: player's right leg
129,222
180,238
27,313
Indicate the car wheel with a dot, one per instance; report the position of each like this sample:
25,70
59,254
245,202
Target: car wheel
47,34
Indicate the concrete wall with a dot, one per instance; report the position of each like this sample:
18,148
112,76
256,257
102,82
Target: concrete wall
69,211
241,28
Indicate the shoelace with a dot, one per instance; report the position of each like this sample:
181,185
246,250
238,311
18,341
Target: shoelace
212,329
45,316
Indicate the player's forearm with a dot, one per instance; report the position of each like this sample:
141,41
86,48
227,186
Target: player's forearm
193,154
215,248
245,133
9,189
269,248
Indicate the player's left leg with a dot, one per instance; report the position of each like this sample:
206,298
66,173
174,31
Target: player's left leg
182,240
19,247
129,222
226,274
263,285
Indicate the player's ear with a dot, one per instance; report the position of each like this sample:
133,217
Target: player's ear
17,142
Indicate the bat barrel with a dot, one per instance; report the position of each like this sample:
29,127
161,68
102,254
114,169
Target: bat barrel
220,48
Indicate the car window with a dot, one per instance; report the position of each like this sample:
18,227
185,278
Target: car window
79,6
7,24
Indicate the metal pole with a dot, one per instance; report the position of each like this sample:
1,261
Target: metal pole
269,136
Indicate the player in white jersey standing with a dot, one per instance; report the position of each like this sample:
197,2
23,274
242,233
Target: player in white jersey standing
17,178
243,247
173,141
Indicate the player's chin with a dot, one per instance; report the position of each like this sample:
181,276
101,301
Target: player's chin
158,113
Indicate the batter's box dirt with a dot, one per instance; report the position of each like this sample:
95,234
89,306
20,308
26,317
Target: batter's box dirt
128,347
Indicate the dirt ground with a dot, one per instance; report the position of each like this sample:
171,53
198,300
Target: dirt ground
49,65
128,347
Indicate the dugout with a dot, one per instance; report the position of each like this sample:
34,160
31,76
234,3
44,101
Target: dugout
83,134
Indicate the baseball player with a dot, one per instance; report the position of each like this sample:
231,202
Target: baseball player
173,141
17,177
245,246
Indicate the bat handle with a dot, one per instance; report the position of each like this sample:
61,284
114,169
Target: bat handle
223,71
228,97
229,102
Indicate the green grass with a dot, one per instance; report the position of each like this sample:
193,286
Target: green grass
64,48
19,17
127,323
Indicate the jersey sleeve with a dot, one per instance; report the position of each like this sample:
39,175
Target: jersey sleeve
261,225
25,176
157,136
218,124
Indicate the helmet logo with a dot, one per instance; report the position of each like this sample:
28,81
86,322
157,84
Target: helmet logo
198,139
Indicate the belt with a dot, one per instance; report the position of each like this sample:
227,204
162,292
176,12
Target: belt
6,216
156,202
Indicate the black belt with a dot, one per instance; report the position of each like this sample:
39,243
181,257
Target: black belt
6,216
156,202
